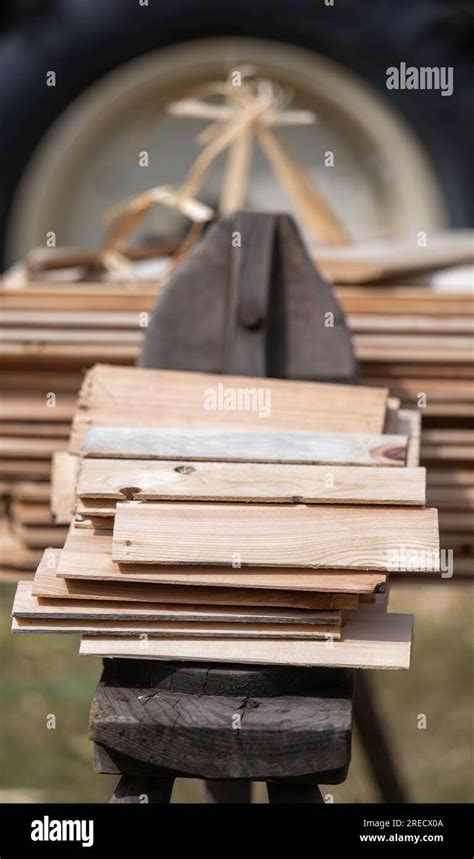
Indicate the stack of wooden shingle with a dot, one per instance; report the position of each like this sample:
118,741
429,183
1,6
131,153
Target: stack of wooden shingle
52,329
226,518
414,339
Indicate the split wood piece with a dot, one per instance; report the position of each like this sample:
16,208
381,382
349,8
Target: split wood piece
30,337
195,630
10,575
31,513
371,323
449,436
453,498
451,476
88,555
443,390
237,446
16,381
30,491
209,481
63,319
385,348
26,448
104,522
417,370
359,538
83,296
27,429
36,408
409,422
371,640
38,536
13,551
455,452
25,469
464,566
64,472
418,301
47,584
455,521
26,605
373,262
70,356
113,396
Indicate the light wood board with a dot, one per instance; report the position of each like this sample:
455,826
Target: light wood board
88,555
241,446
130,396
27,605
359,538
371,640
195,630
47,584
150,480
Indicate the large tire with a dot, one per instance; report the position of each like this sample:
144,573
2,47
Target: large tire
81,41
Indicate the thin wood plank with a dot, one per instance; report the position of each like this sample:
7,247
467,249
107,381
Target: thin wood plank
39,536
35,429
394,324
114,396
25,469
28,513
36,408
236,446
210,481
26,448
372,640
47,584
88,555
360,538
381,260
195,630
27,605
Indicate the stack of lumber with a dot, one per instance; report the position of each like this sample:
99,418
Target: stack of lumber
414,338
419,342
231,535
52,331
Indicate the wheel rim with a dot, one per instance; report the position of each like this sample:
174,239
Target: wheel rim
382,183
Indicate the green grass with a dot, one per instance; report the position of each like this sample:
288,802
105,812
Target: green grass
43,674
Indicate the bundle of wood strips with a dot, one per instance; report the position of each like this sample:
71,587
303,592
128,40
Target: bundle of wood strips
230,519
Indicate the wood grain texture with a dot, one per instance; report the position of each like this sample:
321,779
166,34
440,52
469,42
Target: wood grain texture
137,724
46,584
241,446
194,630
88,555
362,538
130,396
150,480
27,605
371,640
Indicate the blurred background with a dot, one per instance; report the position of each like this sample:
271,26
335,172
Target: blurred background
68,152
